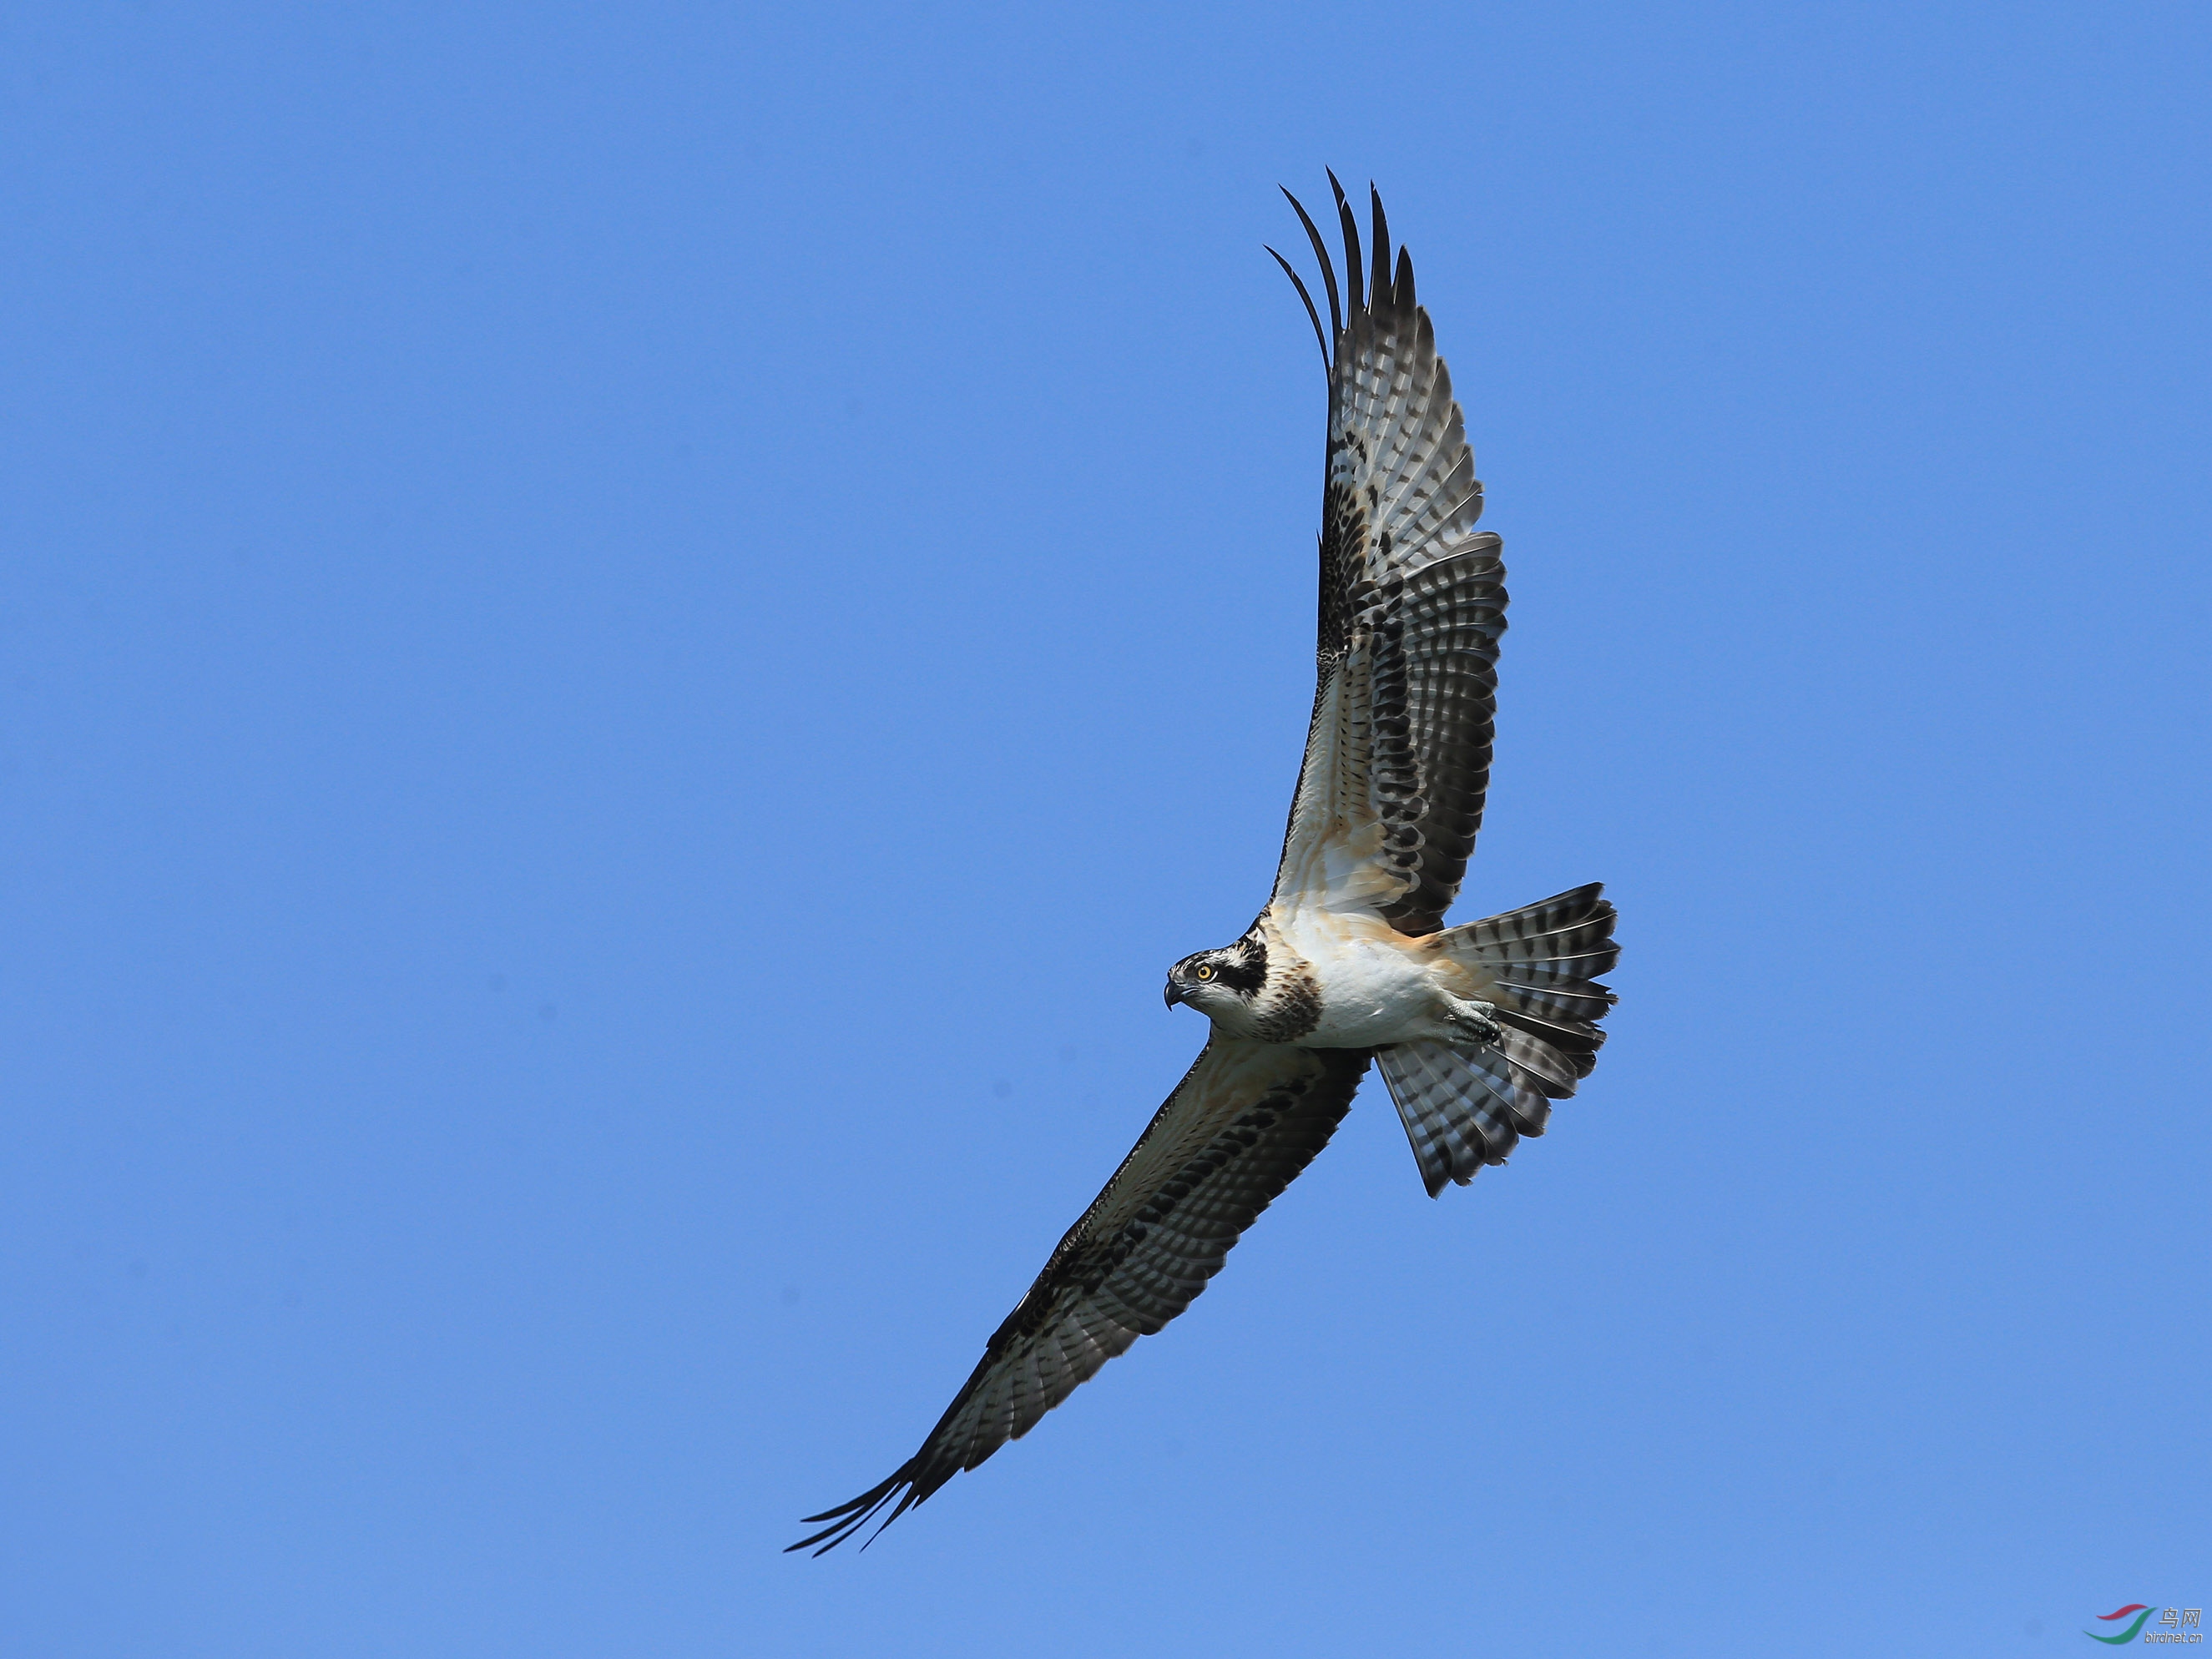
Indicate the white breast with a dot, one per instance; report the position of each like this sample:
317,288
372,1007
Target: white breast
1376,986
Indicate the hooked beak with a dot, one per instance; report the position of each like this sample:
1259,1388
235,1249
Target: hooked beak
1174,996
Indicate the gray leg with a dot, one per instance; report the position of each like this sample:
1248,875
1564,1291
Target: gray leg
1476,1020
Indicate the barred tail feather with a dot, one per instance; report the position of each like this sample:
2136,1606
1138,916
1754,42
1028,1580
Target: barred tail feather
1543,961
1455,1112
1467,1107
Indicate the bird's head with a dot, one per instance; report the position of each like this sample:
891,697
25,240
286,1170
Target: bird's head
1218,982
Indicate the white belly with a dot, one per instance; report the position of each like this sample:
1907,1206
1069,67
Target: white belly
1376,986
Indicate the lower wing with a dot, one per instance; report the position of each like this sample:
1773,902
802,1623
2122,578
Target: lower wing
1244,1121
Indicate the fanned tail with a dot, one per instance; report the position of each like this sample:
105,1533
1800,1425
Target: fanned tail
1458,1114
1464,1107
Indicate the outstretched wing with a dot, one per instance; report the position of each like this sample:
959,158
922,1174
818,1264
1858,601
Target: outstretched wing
1246,1118
1413,601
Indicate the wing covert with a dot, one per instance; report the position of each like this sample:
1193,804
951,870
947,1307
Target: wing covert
1412,605
1244,1121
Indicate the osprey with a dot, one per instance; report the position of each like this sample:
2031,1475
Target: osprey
1476,1029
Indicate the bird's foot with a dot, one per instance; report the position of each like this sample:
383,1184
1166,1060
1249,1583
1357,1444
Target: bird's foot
1476,1021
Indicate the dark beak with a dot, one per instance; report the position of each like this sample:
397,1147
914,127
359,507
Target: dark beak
1174,995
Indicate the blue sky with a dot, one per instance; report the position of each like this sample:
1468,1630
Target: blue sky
631,635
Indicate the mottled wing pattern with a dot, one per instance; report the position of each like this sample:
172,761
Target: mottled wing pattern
1412,602
1244,1121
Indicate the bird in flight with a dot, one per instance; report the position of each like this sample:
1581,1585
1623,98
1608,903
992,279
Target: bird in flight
1476,1028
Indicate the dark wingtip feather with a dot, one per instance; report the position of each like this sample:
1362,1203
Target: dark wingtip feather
912,1496
849,1517
1380,282
1321,252
1356,300
1311,312
1404,284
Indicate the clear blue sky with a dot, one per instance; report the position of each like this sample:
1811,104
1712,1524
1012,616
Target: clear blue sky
632,634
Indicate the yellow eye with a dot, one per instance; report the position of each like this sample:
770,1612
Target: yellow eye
1205,971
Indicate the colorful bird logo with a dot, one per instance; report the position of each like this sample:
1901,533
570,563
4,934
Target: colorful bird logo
2130,1634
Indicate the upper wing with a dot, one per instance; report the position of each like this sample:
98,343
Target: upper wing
1413,601
1246,1118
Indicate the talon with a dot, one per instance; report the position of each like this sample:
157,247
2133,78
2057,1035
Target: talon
1475,1017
